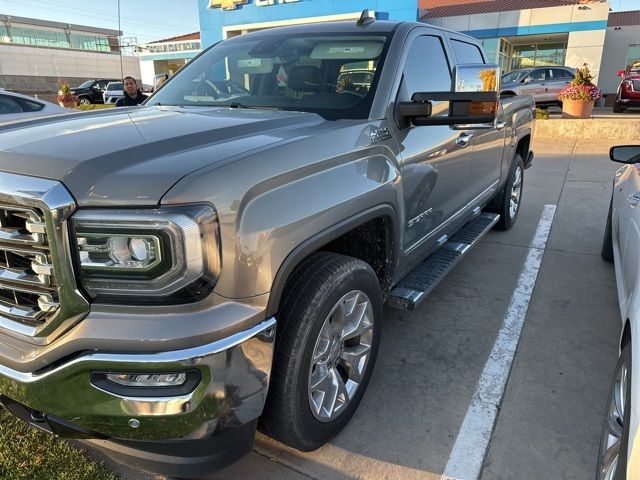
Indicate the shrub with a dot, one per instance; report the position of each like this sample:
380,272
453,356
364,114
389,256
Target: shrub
64,94
581,88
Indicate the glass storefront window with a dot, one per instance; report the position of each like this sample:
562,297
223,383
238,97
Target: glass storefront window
537,55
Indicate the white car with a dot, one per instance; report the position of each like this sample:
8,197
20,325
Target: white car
619,456
14,106
113,92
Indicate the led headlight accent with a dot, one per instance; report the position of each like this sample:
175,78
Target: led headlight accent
148,255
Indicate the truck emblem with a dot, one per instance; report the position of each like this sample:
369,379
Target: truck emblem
379,134
226,4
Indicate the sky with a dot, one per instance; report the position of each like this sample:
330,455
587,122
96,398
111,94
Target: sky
147,20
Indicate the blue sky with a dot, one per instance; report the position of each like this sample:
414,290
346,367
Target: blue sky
145,19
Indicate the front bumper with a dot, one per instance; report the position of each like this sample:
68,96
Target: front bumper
234,378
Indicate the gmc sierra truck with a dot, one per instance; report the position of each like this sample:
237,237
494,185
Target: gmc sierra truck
174,276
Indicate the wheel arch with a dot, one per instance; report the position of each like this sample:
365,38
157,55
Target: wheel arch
366,236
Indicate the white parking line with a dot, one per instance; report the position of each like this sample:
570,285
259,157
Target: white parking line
470,448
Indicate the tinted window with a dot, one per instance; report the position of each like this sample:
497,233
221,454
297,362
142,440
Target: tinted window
537,75
426,69
9,105
29,105
467,52
560,74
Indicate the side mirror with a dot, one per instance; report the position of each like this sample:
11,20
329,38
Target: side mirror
473,98
629,154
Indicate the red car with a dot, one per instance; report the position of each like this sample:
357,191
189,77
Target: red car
629,90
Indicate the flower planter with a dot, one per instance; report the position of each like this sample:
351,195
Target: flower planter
68,104
577,108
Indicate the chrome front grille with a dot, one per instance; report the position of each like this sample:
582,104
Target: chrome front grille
635,85
28,288
38,293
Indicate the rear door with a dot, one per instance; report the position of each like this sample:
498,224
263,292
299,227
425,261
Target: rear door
628,229
435,160
488,142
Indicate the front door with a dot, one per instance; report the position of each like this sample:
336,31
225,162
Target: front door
435,160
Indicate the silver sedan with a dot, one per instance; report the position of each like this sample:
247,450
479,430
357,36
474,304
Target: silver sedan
619,456
15,106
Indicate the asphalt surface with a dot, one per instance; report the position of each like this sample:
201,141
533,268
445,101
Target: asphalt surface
430,360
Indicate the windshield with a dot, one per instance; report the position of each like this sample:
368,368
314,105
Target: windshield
330,74
514,76
86,84
115,86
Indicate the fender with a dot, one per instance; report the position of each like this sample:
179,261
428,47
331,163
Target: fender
326,236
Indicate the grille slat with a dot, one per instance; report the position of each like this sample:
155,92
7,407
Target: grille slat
27,286
635,85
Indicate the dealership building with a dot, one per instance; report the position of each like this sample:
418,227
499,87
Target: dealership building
546,32
166,56
36,54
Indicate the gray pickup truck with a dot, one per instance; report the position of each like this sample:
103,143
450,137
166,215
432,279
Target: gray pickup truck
175,275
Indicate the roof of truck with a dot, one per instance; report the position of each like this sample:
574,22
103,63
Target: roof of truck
350,26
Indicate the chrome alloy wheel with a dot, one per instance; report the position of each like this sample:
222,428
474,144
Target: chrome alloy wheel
340,356
611,441
516,192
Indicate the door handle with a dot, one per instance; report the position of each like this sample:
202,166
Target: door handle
500,124
633,199
464,139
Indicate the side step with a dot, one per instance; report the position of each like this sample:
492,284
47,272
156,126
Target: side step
414,288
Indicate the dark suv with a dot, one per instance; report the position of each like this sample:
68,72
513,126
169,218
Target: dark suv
629,90
91,91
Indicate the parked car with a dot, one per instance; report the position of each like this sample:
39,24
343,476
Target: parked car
14,106
543,83
222,262
113,92
92,91
628,94
619,456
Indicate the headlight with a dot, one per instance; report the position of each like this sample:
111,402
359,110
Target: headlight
164,255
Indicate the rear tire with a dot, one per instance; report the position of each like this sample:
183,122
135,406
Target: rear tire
617,108
510,198
328,337
84,101
607,242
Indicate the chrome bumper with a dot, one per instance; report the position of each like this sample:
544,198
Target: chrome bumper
234,378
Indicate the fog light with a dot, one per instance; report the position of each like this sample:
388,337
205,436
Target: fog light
148,379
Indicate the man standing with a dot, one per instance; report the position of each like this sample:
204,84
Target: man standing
132,94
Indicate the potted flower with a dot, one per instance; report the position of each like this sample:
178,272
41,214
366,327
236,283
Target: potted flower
65,98
579,96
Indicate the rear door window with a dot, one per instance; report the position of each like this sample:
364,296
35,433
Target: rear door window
466,52
29,105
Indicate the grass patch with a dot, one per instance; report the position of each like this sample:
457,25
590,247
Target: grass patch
95,106
29,454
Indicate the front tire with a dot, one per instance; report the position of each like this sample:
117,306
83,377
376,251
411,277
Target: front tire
614,439
508,203
328,337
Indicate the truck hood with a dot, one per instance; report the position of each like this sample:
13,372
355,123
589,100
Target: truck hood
133,156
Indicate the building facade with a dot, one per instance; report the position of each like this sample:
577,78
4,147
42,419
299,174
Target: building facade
36,54
545,32
621,47
167,56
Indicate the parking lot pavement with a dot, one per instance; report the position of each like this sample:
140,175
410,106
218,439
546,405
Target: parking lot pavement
430,360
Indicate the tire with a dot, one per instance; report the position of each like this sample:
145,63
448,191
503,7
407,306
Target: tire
297,413
607,242
503,204
84,101
614,439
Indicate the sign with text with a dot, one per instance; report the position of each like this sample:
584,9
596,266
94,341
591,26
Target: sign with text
233,4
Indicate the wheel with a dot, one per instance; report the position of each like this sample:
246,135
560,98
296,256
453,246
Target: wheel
328,337
614,440
508,201
84,101
607,242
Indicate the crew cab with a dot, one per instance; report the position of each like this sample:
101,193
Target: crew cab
92,90
178,274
